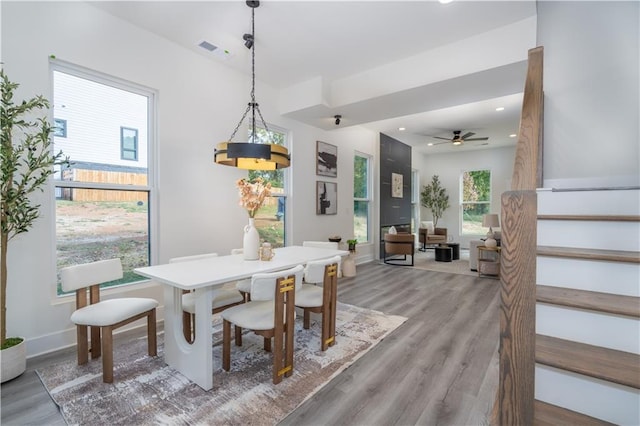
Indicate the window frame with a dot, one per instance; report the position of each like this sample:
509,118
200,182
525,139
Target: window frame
63,128
57,65
463,203
369,191
286,174
123,149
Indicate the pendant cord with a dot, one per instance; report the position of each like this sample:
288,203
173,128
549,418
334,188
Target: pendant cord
253,105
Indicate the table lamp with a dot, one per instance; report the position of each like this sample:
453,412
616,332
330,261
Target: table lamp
490,221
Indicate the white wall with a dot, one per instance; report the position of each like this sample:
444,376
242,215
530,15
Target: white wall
592,94
199,102
449,168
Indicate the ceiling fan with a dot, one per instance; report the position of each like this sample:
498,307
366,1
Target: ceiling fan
459,140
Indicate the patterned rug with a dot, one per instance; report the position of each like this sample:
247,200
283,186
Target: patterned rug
147,391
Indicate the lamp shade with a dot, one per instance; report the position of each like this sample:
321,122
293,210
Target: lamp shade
490,221
252,156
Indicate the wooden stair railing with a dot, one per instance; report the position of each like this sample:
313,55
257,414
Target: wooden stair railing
515,399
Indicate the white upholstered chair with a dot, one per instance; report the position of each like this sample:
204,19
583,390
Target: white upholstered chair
222,298
243,286
325,244
104,316
271,313
322,300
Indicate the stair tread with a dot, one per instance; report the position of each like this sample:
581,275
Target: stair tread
591,254
545,414
591,300
594,361
597,218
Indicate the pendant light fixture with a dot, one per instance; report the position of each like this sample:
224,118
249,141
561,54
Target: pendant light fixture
252,155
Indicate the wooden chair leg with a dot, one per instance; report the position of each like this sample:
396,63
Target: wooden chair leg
226,345
324,339
107,356
278,361
238,336
83,344
96,346
306,322
152,337
267,344
288,346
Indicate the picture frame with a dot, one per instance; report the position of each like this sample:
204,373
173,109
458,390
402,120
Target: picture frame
396,185
326,159
326,198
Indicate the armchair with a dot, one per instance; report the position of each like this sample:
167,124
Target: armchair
429,235
401,244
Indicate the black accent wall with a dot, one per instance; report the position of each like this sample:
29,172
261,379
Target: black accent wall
395,157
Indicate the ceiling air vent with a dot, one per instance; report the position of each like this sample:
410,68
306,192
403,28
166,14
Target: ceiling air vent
215,50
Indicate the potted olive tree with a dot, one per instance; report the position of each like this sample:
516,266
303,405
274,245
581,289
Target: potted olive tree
435,198
27,161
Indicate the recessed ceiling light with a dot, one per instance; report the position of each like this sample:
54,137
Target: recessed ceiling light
500,109
402,129
445,1
430,144
512,135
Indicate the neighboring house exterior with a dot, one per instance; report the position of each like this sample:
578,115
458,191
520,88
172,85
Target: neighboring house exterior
103,130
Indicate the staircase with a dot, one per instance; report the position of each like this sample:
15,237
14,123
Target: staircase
587,342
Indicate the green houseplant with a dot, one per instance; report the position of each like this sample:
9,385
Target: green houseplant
435,198
352,245
27,162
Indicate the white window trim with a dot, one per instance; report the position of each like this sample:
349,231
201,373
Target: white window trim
152,161
461,204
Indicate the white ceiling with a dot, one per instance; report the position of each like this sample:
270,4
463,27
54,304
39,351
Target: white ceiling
297,41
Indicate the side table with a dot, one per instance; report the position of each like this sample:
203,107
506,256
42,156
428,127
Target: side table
443,253
489,266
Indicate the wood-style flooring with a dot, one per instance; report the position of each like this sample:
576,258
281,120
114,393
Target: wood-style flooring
438,368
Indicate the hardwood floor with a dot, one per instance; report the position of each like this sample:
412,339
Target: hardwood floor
439,368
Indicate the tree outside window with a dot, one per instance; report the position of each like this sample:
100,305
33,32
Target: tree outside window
476,200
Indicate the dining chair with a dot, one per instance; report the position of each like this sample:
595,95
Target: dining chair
271,313
243,286
321,300
104,316
326,244
222,298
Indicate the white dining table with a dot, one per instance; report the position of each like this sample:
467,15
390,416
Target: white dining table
195,360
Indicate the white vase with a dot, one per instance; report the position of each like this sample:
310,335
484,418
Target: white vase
14,361
251,242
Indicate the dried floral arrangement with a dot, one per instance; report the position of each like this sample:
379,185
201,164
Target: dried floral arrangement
253,194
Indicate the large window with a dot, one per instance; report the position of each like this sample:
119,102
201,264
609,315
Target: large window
361,197
102,198
270,219
476,200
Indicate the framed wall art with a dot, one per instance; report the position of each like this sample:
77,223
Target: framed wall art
326,197
396,185
326,159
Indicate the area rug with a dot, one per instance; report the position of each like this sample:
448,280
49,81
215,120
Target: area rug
426,260
146,391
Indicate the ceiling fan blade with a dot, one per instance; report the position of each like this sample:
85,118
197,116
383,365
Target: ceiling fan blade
438,137
466,135
476,139
441,143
